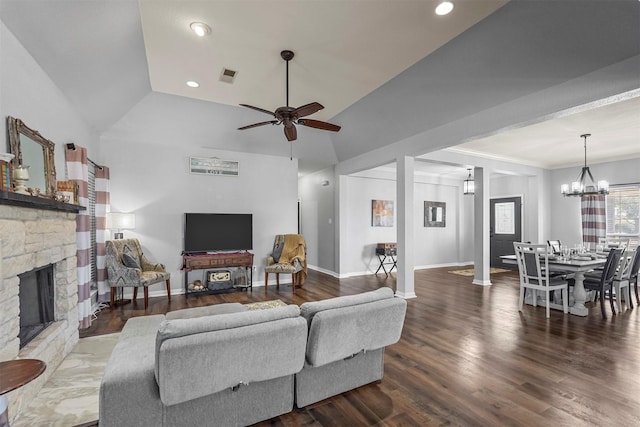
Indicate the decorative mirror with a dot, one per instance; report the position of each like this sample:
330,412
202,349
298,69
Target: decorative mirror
33,150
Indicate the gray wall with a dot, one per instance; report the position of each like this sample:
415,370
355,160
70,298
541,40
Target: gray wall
27,93
316,195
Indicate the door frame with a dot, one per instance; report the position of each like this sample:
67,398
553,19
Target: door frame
522,213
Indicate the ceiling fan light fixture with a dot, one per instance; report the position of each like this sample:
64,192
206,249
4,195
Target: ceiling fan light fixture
444,8
200,28
289,116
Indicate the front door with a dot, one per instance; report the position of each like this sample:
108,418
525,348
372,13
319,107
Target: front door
506,227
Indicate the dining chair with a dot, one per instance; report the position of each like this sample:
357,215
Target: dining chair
533,267
614,242
633,276
621,279
555,245
604,282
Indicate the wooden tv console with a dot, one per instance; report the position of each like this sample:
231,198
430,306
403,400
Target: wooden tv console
216,261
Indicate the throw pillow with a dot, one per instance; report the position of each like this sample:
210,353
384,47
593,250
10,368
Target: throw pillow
130,261
277,251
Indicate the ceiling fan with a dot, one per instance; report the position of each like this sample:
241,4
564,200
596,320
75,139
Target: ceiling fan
289,116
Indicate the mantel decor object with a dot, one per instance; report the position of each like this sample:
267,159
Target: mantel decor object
20,178
30,148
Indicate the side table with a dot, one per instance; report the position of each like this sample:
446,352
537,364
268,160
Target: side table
383,254
15,374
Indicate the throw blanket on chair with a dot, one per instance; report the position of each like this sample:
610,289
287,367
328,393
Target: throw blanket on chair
295,249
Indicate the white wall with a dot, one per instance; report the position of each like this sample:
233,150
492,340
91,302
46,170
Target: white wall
27,93
565,211
155,183
434,246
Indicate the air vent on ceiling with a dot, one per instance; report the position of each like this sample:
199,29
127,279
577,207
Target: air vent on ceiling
228,75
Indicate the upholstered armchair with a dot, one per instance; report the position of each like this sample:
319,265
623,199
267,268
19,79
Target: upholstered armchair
128,267
289,256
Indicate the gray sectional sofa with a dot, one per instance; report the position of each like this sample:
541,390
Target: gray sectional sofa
223,365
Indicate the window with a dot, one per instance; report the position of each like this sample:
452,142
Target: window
623,212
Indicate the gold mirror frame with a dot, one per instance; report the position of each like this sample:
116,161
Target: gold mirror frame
16,127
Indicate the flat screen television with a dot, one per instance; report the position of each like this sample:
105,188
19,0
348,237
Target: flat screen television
211,232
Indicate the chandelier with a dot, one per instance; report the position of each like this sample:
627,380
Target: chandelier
468,187
582,187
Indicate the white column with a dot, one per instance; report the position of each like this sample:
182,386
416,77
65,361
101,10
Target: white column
481,218
340,221
404,191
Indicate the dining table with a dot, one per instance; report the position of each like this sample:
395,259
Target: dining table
578,265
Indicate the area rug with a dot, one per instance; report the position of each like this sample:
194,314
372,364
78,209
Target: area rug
265,305
470,271
70,397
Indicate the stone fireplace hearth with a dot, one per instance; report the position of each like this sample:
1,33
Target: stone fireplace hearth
32,237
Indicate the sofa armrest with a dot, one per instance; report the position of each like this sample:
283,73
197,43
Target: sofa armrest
129,393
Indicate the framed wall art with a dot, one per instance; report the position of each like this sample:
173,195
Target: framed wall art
382,213
213,166
435,214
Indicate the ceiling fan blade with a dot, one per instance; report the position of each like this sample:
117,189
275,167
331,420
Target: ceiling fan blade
307,110
262,110
319,125
290,132
270,122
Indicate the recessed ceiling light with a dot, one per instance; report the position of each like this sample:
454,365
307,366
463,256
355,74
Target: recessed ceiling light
191,83
444,8
201,29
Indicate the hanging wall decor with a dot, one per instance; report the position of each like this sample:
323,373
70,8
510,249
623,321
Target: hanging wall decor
435,214
382,213
213,166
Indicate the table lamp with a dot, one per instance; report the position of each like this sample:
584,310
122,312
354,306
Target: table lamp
119,221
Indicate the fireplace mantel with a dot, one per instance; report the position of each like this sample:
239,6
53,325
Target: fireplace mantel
28,201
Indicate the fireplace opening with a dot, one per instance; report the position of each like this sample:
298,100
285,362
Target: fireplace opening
36,302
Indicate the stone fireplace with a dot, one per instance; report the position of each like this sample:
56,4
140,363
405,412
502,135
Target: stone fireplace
37,234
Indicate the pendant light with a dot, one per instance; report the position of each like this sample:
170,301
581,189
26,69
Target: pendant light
469,185
582,187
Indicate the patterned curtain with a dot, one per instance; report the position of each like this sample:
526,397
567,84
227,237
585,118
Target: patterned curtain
77,171
594,218
102,207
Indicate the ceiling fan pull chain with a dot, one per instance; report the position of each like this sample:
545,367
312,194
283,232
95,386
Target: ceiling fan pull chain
291,151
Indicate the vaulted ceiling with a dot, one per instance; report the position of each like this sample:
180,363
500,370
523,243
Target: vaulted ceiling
384,70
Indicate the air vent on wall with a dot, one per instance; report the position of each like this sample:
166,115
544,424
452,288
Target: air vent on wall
228,75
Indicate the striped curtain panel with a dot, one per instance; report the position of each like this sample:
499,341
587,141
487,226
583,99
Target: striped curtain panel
594,218
101,209
77,171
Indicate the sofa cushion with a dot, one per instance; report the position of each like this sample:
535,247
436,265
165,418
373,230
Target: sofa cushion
350,325
309,309
200,356
208,310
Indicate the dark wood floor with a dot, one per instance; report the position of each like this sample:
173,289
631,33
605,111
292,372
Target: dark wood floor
467,357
